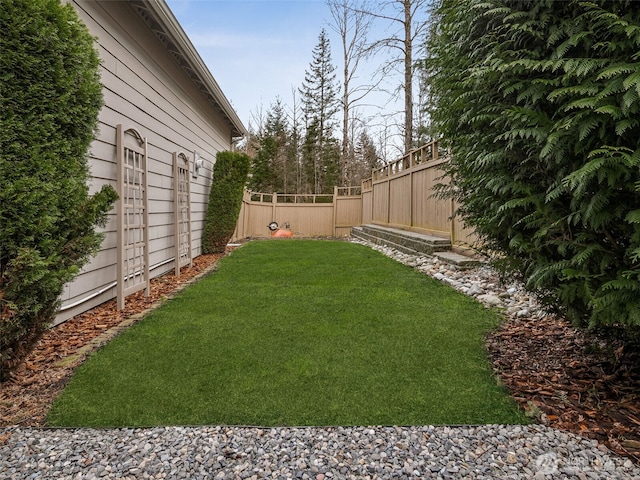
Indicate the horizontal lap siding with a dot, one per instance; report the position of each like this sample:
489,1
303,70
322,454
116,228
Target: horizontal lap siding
145,88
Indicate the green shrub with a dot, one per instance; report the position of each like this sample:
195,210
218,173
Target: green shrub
50,96
225,199
540,103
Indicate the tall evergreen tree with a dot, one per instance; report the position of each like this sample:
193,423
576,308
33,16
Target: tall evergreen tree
365,159
319,96
540,103
295,141
272,167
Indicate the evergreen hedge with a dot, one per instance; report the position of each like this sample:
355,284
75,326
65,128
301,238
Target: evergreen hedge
225,200
539,101
50,96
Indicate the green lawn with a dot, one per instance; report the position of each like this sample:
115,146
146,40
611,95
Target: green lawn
297,332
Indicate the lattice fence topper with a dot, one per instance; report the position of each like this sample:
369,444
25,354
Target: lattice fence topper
133,214
182,209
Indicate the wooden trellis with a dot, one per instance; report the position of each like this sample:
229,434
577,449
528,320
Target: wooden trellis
133,214
182,209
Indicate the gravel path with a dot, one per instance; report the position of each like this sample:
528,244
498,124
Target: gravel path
484,452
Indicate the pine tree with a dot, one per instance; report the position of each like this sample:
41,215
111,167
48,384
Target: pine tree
272,166
366,159
319,96
294,151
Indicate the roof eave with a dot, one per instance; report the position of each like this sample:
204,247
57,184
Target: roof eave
159,17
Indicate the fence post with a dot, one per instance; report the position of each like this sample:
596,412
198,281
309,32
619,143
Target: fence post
274,203
388,199
453,222
335,208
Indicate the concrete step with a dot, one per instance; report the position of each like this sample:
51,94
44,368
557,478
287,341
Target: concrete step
403,241
461,261
359,233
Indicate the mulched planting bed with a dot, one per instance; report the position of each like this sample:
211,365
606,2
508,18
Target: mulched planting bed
571,380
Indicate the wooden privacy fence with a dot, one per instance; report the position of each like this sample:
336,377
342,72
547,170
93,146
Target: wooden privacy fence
305,215
398,195
402,195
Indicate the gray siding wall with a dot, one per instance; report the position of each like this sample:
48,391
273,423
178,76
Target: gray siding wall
145,88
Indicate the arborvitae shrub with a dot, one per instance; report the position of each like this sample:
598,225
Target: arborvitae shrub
50,97
539,101
225,200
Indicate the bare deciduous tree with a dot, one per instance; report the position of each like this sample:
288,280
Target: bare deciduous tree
407,26
352,24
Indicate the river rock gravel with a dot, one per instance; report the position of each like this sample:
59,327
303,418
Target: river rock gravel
478,452
324,453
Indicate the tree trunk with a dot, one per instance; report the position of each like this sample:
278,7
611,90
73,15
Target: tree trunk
408,78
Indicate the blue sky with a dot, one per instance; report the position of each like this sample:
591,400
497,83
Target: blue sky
258,50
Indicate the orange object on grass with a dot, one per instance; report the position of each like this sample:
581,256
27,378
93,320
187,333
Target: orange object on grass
282,233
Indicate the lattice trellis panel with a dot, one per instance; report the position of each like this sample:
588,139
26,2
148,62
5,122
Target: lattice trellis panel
182,209
133,214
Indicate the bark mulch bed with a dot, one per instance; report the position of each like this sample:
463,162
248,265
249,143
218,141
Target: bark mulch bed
571,380
560,375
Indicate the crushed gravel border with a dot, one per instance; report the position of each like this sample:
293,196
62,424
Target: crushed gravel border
479,452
